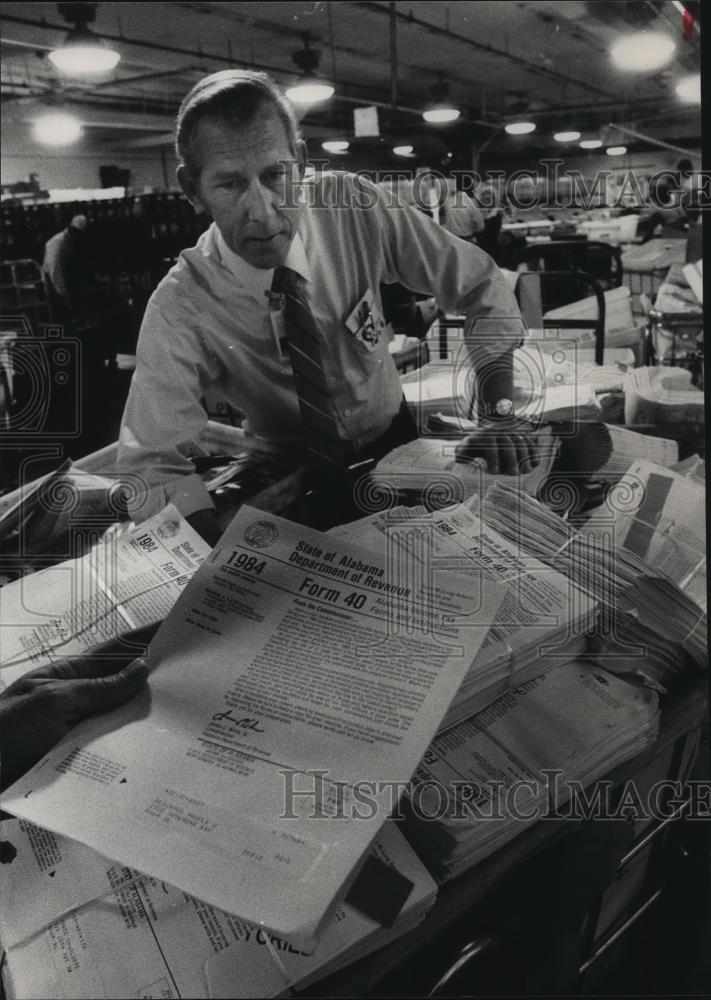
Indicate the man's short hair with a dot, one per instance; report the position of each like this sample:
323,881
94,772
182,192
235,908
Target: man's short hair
235,96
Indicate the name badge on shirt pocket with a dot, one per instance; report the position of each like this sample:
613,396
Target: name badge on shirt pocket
366,322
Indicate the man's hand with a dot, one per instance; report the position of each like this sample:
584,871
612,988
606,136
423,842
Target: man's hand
41,707
506,447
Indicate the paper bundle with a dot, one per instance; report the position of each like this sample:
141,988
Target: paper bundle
75,924
535,749
662,396
628,446
542,621
129,579
652,620
426,471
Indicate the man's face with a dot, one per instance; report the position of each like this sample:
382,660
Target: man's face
248,183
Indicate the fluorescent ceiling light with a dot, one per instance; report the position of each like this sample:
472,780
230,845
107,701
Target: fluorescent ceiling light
591,144
642,51
84,54
56,128
689,88
402,150
310,92
616,150
335,145
566,136
520,128
438,116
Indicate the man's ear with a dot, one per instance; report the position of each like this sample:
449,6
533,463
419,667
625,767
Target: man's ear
302,156
190,188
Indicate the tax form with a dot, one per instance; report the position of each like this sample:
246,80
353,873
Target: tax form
294,688
127,580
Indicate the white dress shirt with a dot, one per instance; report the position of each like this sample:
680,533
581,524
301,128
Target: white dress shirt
207,330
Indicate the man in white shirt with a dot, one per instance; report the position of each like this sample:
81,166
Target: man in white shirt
212,324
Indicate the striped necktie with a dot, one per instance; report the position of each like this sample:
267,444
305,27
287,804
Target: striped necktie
322,440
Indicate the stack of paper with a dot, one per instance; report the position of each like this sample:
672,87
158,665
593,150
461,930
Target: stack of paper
662,396
652,603
694,274
556,362
130,579
659,516
533,751
293,668
542,621
629,446
75,924
426,471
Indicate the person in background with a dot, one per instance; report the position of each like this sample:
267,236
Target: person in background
266,309
69,272
672,195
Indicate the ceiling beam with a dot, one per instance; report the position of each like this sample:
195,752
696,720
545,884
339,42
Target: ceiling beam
434,29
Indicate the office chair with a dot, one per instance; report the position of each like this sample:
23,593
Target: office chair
568,286
600,260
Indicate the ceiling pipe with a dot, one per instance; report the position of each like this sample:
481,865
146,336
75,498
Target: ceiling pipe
276,71
434,29
654,142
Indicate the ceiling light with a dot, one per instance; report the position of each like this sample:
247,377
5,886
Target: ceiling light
402,150
689,88
440,110
310,92
310,89
520,128
57,128
591,144
84,54
566,136
335,145
441,115
616,150
642,51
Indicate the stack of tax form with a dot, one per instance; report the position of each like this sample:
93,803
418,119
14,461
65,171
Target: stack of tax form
650,582
75,924
426,470
542,621
535,750
293,668
662,396
129,579
629,446
660,517
549,364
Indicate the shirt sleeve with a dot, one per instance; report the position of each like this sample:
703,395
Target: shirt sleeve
164,417
425,258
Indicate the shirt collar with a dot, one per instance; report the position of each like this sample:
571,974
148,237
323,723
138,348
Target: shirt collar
257,279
